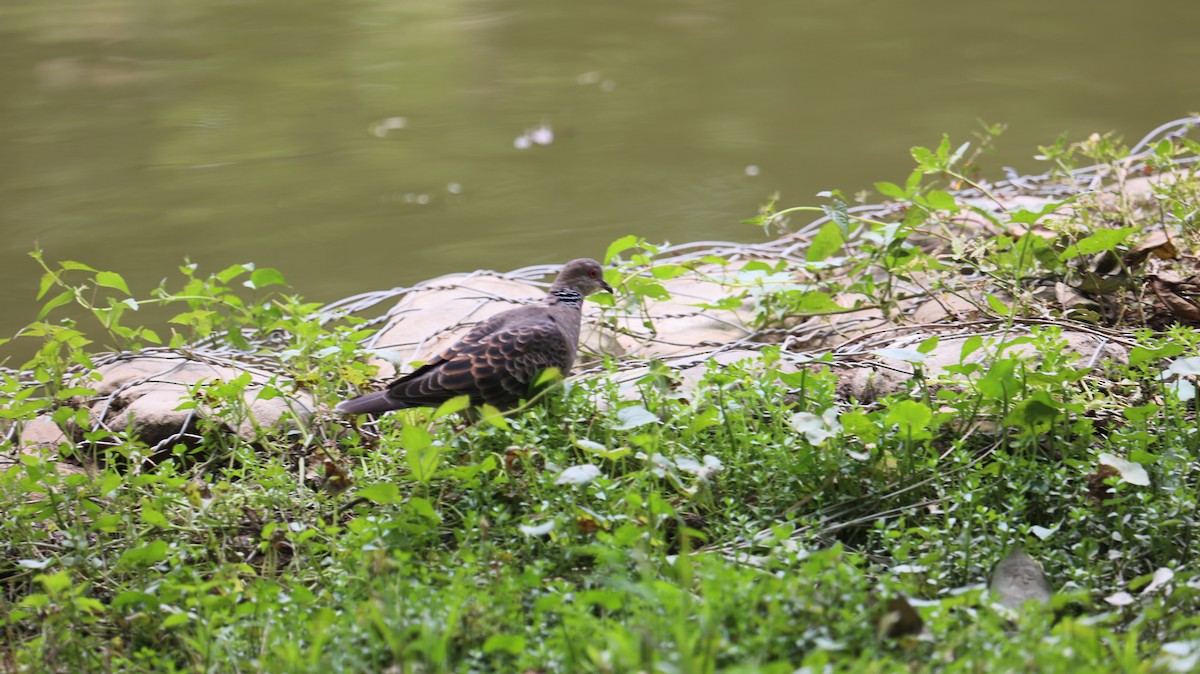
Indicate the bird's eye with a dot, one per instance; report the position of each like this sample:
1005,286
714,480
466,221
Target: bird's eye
592,273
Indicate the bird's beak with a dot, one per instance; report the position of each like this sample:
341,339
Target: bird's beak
604,286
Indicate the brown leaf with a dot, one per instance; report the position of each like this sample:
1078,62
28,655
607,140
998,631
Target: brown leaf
1098,491
900,619
1168,293
337,479
1157,244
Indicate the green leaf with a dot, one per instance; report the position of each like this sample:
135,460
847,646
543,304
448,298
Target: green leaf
493,416
60,299
941,201
111,279
54,583
150,553
1105,239
998,306
423,508
924,157
1141,413
619,246
422,460
726,303
546,377
890,190
1035,413
909,415
970,346
913,181
1141,354
1000,382
509,643
231,272
414,438
664,272
928,345
175,619
48,280
72,265
382,493
815,302
267,276
153,517
452,406
826,242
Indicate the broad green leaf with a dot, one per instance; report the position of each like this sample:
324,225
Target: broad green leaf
619,246
72,265
826,242
924,157
153,517
812,302
664,272
54,583
510,643
909,414
231,272
60,299
998,306
1035,413
1141,413
970,346
47,283
493,416
423,508
546,377
414,438
941,201
890,190
1105,239
382,492
1141,354
111,279
150,553
267,276
451,406
175,619
1000,382
928,345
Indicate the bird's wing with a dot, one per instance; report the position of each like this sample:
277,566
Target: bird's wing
493,365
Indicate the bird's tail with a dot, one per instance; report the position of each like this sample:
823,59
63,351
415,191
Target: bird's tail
368,403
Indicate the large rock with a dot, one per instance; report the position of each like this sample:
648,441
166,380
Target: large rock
151,396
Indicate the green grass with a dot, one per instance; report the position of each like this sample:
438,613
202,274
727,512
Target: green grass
717,531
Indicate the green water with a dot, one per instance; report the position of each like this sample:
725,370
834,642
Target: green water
364,144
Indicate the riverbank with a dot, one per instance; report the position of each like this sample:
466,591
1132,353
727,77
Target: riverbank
807,452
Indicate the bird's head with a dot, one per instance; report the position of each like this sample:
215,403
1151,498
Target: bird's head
583,275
